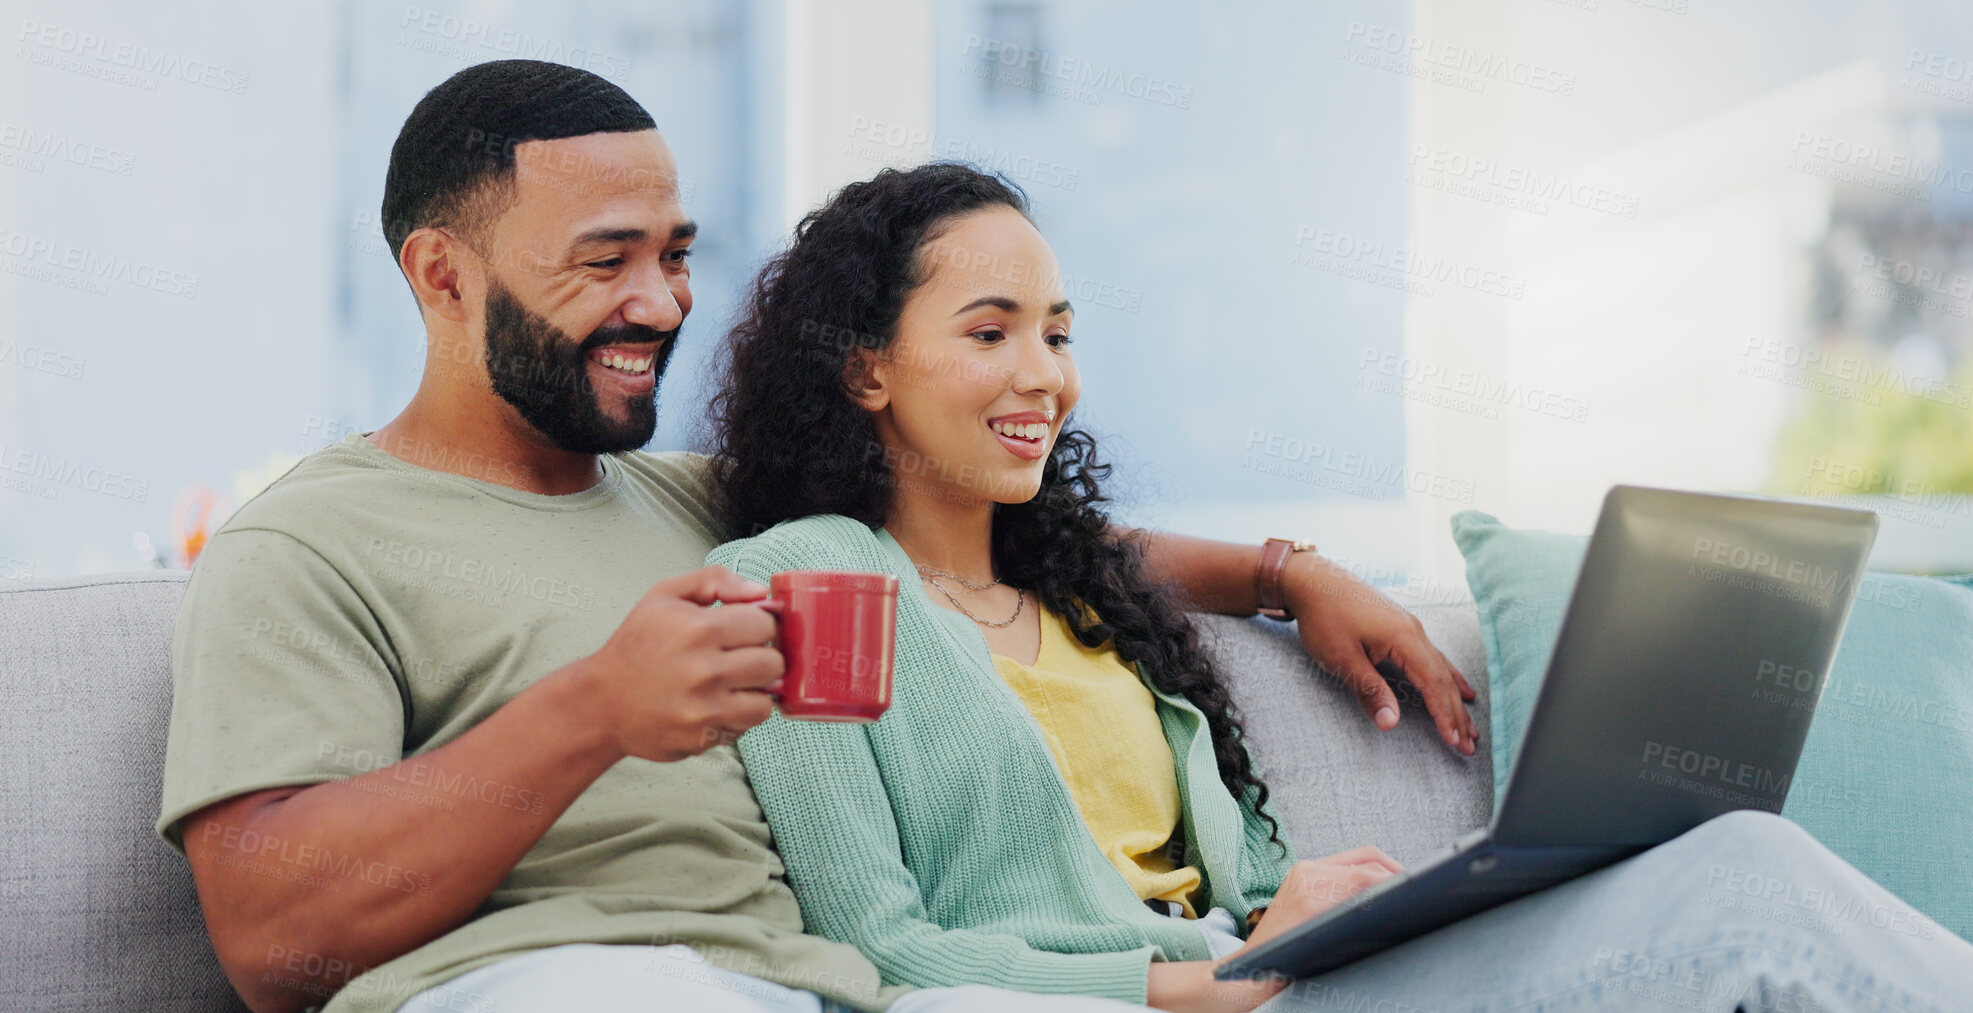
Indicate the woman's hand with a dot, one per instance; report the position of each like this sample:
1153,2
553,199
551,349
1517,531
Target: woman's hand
1187,986
1311,887
1314,885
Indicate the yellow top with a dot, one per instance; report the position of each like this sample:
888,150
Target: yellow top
1101,724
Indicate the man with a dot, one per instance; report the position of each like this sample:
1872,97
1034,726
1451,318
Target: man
418,749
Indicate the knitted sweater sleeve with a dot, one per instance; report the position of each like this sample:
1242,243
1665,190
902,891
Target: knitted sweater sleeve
825,801
822,788
1263,864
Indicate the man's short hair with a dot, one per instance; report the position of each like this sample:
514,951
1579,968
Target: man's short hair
453,163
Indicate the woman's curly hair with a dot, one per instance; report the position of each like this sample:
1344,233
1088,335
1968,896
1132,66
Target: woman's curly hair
788,440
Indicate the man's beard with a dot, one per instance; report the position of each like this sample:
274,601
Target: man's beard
544,373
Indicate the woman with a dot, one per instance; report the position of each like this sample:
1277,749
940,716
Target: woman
1060,799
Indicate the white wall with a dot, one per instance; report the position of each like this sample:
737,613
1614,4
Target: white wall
207,290
851,65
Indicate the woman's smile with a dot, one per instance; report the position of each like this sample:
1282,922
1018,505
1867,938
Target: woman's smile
1026,435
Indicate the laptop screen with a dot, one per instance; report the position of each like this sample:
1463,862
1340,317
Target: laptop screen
1688,666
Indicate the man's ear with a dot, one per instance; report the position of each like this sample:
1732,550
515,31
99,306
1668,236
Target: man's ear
863,377
432,262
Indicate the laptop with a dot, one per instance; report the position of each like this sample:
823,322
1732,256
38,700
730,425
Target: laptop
1684,678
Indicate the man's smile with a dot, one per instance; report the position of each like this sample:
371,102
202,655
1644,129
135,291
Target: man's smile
625,367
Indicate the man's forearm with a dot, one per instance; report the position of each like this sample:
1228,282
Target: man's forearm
1351,630
342,876
1218,576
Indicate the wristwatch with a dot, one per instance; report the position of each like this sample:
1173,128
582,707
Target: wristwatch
1268,593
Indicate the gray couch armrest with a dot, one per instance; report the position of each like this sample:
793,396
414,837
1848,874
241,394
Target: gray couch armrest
96,913
1336,781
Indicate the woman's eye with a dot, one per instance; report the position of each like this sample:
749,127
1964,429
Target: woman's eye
678,256
1059,340
991,335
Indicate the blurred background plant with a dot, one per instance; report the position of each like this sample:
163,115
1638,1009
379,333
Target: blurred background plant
1900,445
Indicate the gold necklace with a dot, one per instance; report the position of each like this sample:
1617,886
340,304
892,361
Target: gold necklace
931,576
929,571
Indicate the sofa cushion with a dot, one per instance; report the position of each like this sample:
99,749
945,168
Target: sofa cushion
95,912
1336,781
1883,780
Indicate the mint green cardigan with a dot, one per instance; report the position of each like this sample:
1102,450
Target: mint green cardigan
942,841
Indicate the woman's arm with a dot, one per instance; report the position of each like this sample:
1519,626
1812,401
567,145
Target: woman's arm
837,836
1189,987
827,805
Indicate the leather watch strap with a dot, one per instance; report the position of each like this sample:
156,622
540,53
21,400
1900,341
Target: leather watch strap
1269,595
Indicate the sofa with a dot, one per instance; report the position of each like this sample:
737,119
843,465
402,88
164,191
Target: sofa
96,913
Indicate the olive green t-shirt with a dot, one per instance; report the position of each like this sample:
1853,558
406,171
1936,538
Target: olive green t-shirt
363,610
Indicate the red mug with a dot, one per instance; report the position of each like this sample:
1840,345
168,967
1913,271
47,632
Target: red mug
839,639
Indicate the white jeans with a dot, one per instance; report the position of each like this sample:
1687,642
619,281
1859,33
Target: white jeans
591,978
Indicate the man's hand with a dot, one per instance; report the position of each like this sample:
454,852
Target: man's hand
1357,634
679,676
1348,627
